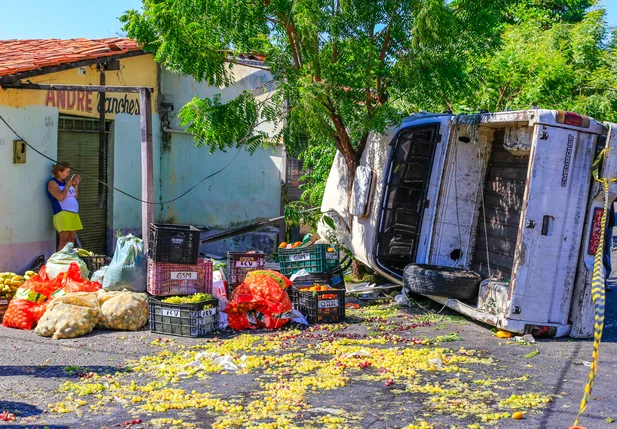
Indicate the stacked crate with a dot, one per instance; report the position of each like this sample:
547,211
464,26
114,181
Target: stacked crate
239,264
175,269
322,261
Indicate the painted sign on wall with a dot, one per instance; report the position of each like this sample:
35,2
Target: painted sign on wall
135,71
88,102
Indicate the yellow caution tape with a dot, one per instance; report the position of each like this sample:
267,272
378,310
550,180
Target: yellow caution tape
597,290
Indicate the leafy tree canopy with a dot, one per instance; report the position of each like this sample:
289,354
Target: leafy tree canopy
337,64
343,68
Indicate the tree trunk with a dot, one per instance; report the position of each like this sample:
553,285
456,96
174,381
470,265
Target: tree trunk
358,270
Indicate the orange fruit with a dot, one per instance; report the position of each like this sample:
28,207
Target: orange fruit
282,245
518,415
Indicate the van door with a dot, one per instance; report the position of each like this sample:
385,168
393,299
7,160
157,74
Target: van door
404,200
551,229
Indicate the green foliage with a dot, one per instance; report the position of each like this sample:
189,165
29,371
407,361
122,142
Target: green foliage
336,64
569,66
551,11
341,69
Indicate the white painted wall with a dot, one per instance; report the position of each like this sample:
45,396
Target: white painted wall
26,229
248,190
126,213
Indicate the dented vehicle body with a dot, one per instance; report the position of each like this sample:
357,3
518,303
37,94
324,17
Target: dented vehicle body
508,195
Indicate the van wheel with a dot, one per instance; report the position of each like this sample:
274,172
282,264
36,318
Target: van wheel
441,281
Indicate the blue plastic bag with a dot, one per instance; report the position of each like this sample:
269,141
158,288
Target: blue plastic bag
127,269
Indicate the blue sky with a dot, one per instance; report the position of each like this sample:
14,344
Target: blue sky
91,18
62,19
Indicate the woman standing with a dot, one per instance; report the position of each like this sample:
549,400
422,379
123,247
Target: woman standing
62,193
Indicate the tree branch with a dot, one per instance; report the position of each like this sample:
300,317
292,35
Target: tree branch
384,47
342,137
290,38
597,89
272,20
296,40
335,7
361,146
502,93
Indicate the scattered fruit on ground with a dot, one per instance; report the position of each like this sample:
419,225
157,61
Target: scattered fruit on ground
296,370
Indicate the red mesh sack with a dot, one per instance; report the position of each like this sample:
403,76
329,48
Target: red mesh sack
18,314
239,321
28,305
263,302
72,281
280,278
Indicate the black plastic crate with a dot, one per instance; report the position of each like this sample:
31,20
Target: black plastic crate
239,264
184,320
95,263
327,306
317,258
334,278
174,244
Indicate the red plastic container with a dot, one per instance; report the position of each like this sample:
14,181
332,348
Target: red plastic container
179,279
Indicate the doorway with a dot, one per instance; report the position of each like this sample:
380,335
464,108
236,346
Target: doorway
78,144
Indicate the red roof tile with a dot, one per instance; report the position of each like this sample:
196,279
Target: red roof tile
24,55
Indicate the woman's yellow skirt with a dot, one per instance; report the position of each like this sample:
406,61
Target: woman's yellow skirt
67,221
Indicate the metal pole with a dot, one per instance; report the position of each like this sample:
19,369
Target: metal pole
102,140
147,164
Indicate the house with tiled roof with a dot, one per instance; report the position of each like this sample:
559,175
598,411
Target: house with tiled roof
68,125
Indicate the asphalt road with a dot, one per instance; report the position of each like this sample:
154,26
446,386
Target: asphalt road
32,368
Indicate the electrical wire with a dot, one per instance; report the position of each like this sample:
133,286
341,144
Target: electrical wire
132,196
113,187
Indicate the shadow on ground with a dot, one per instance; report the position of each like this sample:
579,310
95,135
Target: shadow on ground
20,409
35,427
55,371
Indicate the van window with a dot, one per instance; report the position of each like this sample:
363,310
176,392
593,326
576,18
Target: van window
404,200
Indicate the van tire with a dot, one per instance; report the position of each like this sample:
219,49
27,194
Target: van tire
441,281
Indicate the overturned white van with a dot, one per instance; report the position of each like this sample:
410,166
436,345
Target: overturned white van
509,196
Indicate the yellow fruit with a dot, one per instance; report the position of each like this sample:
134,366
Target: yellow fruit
503,334
30,273
83,253
18,278
518,415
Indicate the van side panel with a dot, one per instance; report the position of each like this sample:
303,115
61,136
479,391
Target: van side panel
550,234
